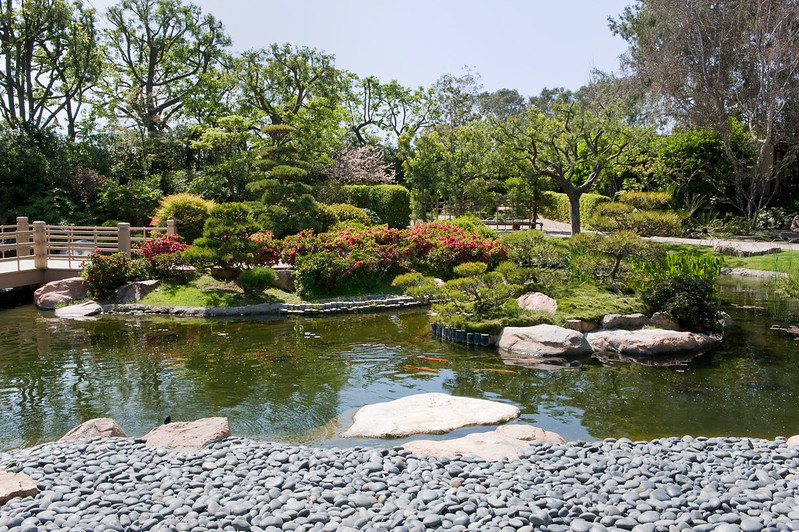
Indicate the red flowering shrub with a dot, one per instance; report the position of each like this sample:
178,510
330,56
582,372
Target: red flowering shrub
435,248
162,256
268,249
103,274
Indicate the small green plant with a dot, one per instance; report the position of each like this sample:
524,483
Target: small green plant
685,265
689,301
256,279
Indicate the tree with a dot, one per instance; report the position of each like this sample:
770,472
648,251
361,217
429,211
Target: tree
720,64
571,146
501,104
458,96
49,59
360,166
160,52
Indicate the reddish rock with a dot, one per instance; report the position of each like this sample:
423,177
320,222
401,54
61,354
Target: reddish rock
581,325
103,427
62,292
504,442
537,301
793,440
13,485
188,436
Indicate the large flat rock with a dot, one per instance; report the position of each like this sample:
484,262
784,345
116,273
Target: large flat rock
504,442
427,413
543,341
649,342
14,485
81,310
188,435
62,292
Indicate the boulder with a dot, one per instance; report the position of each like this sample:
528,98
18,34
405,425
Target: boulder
504,442
285,280
660,321
625,321
56,293
133,292
649,342
13,485
188,436
793,440
427,413
543,341
103,427
81,310
537,301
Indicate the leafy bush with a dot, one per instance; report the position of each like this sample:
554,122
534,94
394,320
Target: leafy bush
374,218
392,203
225,245
188,210
531,249
647,201
256,279
556,206
358,195
134,202
470,222
655,223
104,274
162,257
345,211
689,301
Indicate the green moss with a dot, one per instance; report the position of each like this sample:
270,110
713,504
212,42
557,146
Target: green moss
587,301
205,291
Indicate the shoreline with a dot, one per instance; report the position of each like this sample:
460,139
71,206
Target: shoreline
723,484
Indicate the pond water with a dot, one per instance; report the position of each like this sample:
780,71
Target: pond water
300,380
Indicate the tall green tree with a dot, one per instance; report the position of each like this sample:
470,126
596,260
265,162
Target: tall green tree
718,64
573,146
161,54
49,60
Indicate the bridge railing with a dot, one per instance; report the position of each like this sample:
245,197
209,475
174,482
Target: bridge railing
25,246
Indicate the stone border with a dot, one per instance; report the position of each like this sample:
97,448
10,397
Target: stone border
366,304
462,337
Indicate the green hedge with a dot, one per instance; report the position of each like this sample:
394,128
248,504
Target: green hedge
392,203
647,201
557,206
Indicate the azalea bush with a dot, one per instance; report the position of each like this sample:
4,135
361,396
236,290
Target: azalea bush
162,257
267,249
104,274
435,248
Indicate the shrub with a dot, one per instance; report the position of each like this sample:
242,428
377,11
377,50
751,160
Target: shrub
345,211
556,206
531,249
256,279
162,256
655,223
685,265
188,210
470,222
226,244
689,301
373,217
647,201
358,195
437,247
104,274
267,249
392,203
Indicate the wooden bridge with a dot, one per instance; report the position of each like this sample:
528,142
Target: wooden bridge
35,254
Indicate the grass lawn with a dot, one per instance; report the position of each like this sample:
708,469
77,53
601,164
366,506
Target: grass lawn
205,291
784,261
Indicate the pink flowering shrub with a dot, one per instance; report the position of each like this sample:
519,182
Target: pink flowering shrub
267,250
162,257
435,248
103,274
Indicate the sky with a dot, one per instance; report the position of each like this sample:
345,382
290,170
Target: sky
525,45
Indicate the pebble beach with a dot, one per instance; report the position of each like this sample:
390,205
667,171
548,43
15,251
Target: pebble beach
119,484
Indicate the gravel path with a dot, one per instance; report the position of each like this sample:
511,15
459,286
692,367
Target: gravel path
722,484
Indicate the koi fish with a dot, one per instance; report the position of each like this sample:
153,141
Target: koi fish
420,368
496,370
434,359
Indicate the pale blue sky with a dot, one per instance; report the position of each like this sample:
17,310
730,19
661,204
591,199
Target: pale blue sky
517,44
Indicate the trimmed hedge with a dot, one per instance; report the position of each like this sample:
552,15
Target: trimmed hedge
392,203
556,206
647,201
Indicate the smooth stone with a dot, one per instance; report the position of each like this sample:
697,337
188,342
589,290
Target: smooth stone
543,341
194,435
13,485
537,301
103,427
504,442
62,292
649,342
81,310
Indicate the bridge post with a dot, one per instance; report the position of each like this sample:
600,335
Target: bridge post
23,239
40,245
171,227
123,237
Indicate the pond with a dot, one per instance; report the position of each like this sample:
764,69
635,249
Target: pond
300,380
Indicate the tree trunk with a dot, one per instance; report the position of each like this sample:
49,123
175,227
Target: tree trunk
574,212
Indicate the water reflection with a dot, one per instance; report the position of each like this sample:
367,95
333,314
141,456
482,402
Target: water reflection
298,380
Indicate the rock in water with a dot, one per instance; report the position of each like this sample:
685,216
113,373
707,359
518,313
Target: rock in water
427,413
193,435
543,341
62,292
89,308
649,342
102,427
